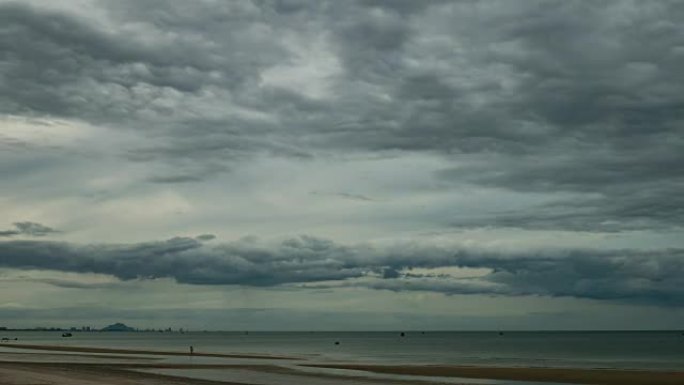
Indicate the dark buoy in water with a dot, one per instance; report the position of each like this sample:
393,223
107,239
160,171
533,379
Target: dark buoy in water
402,334
337,342
500,333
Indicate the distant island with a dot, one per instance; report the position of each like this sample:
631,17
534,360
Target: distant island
117,327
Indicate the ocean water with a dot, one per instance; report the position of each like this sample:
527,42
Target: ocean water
633,350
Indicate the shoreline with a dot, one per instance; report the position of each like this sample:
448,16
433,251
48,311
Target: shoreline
87,349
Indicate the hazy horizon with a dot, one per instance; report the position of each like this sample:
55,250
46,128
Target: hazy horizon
181,330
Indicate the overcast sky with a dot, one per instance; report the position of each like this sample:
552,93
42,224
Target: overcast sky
342,164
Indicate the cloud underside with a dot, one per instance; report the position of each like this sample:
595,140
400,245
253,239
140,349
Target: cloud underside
654,277
534,97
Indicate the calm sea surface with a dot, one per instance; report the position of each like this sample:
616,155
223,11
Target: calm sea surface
638,350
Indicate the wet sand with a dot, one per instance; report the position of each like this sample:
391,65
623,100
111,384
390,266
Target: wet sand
66,374
21,372
562,375
85,349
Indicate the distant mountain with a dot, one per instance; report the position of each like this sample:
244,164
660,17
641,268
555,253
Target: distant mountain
117,327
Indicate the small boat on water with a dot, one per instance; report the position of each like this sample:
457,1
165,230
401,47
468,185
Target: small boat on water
67,335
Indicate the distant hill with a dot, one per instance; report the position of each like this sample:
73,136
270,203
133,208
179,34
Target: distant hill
117,327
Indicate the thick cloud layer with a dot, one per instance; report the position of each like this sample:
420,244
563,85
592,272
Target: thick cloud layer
654,277
540,96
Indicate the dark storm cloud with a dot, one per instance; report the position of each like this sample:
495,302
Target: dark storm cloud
617,275
539,96
187,261
58,64
48,53
31,229
561,97
50,58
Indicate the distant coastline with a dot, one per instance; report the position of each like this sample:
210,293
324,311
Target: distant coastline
115,327
183,330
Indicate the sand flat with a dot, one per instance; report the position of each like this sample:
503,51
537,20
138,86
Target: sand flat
20,374
559,375
105,374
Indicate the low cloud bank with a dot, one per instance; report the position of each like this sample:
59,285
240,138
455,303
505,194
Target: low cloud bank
655,277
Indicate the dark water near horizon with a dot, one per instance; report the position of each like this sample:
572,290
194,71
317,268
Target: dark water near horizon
635,350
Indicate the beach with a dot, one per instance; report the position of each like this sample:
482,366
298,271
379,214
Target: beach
342,192
25,374
26,364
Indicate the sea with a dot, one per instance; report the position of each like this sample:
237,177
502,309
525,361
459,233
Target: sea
653,350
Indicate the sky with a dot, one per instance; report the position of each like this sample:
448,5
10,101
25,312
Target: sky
342,165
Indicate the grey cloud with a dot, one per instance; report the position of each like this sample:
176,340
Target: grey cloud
402,6
346,195
73,284
445,286
541,97
181,178
653,277
63,65
556,102
32,229
610,194
68,284
389,273
185,260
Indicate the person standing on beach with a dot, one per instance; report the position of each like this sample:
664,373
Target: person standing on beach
192,350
